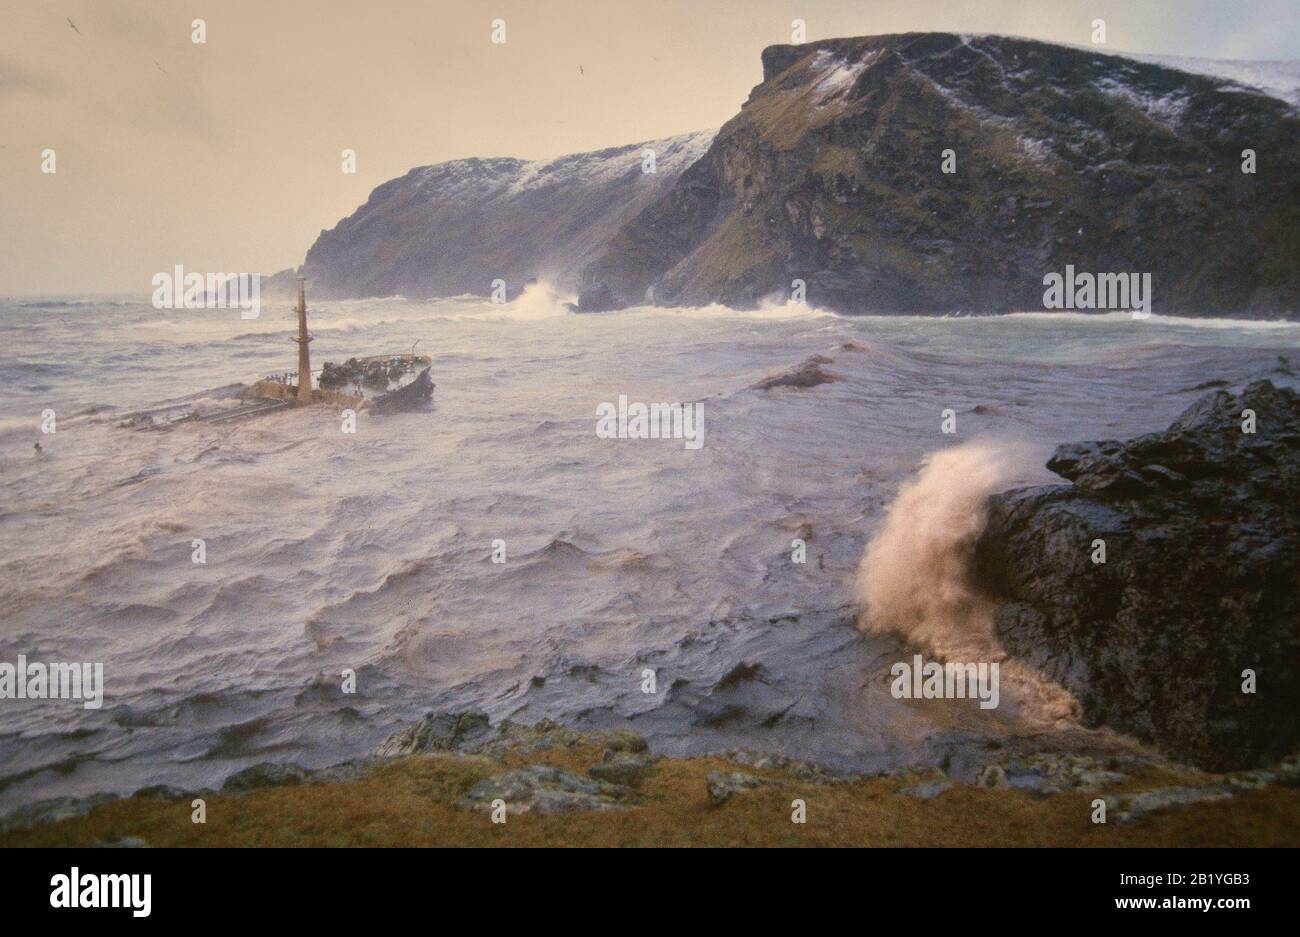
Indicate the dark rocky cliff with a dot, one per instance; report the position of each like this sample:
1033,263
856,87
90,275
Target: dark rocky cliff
1201,579
455,227
831,173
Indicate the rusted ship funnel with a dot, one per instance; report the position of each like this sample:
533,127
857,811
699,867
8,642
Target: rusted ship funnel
304,355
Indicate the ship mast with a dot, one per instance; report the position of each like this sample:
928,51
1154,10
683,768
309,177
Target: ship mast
304,356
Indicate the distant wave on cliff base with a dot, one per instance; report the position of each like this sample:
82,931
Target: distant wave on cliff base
540,300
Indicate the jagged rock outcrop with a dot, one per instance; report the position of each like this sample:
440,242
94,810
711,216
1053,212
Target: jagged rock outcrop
802,376
831,174
438,732
272,774
722,785
541,788
1201,579
52,810
455,227
472,733
544,789
626,768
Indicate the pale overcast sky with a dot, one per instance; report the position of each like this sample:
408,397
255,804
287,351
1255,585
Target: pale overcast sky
225,156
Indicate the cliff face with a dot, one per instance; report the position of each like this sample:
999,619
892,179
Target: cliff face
831,173
455,227
1201,525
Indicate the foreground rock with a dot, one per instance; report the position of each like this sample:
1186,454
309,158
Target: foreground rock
767,761
472,733
1046,774
1201,526
723,784
660,802
437,732
928,790
626,768
1132,807
52,811
267,774
162,792
543,789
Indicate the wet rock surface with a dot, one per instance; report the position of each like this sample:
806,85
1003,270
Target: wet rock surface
1130,808
928,790
623,778
1201,526
342,773
272,774
1044,774
52,811
802,770
437,732
994,776
267,774
598,298
544,789
162,792
723,785
807,374
472,733
626,768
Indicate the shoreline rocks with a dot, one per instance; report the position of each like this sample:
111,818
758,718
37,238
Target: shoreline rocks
472,733
543,789
802,376
622,776
722,785
1200,528
626,768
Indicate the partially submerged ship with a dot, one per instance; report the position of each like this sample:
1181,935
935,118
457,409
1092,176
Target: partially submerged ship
398,382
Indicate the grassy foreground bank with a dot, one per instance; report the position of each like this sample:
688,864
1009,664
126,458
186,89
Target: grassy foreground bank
413,801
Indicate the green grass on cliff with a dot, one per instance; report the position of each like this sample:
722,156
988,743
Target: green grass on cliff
411,802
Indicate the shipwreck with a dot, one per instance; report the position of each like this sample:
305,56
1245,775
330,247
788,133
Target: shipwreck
381,384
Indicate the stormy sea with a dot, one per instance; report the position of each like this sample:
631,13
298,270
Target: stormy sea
496,553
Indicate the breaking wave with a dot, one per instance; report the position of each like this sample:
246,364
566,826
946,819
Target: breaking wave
540,300
769,308
914,578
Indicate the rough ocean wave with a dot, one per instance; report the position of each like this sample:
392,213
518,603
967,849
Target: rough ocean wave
373,552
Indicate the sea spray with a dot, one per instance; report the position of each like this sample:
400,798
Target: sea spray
539,300
914,578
